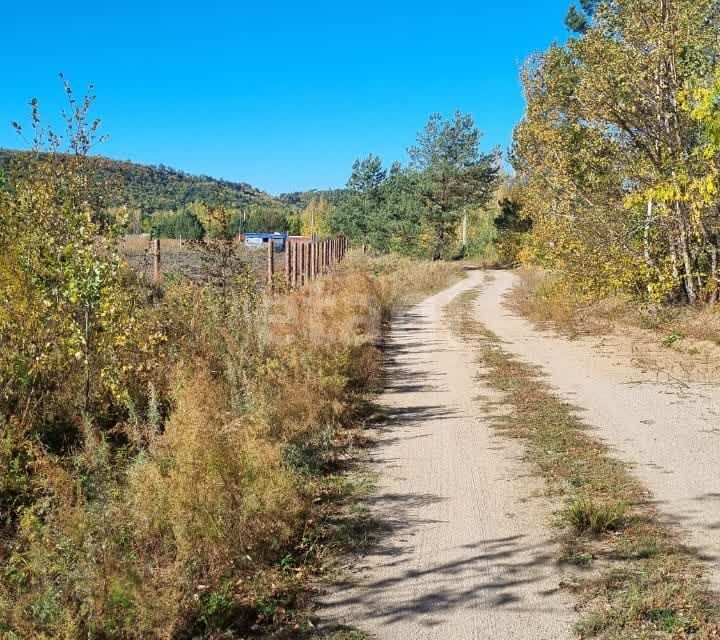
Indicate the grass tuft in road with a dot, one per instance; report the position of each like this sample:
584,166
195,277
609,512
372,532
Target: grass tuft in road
639,581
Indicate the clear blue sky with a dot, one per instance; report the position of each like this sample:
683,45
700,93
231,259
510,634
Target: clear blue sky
282,95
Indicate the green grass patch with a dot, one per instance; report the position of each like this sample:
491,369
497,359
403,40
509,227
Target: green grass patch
585,515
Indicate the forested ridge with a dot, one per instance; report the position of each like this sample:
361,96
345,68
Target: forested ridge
155,188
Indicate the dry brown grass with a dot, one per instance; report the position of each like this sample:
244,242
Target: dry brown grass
141,243
402,280
676,343
543,298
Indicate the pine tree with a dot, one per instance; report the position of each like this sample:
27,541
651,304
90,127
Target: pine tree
453,174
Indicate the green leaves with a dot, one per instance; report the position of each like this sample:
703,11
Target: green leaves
452,174
417,209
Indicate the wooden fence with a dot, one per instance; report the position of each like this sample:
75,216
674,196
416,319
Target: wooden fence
307,258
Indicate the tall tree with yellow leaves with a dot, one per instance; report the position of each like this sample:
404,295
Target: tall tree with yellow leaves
609,150
314,219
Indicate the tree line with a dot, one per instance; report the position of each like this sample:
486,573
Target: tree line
617,159
439,205
418,208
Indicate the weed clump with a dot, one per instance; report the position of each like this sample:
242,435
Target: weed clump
586,515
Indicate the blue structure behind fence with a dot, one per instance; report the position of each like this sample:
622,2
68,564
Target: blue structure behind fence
260,240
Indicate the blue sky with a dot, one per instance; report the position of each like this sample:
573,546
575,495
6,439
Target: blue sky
281,95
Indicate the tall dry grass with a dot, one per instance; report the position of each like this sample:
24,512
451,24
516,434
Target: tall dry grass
544,298
189,514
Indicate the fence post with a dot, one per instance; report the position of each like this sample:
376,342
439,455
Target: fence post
288,244
296,264
156,260
313,256
271,263
318,270
306,262
303,263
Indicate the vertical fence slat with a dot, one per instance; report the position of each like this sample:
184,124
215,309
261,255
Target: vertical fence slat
288,246
312,258
296,264
316,257
303,261
271,263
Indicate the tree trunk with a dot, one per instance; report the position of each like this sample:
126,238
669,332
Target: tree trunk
649,262
685,254
439,241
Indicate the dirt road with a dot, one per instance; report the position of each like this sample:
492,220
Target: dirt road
466,551
670,432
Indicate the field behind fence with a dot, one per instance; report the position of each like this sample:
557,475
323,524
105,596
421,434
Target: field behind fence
303,259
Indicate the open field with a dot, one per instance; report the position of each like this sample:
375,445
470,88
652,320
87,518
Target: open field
192,260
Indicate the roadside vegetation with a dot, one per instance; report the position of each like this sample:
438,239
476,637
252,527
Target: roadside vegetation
172,458
617,158
631,576
546,299
677,343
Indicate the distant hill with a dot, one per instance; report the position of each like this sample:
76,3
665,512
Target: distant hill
153,188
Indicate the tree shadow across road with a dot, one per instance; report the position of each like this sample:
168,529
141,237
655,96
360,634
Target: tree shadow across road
408,572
